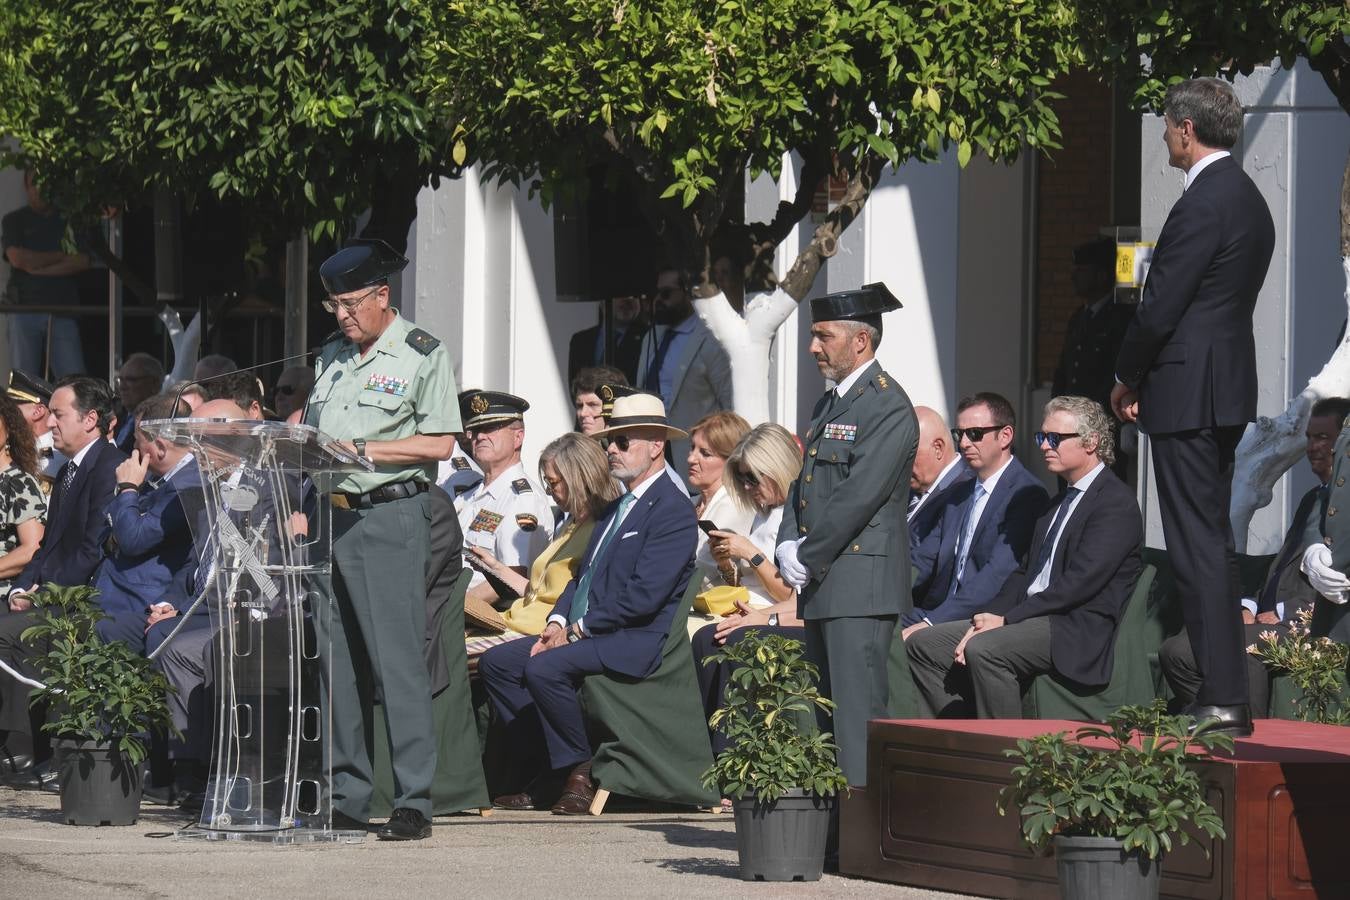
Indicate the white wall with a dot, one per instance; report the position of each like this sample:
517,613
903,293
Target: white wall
1294,144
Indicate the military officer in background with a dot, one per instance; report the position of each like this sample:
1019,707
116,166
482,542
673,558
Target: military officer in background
507,515
460,472
33,396
382,385
1327,562
844,542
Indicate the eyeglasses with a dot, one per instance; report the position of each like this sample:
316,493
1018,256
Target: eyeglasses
331,304
619,440
1054,438
748,480
974,435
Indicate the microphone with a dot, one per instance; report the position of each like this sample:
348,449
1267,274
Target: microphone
178,397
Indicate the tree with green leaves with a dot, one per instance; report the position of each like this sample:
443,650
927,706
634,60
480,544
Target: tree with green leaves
1147,45
299,115
678,99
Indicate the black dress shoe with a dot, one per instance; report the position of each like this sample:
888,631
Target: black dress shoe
405,825
42,777
1235,720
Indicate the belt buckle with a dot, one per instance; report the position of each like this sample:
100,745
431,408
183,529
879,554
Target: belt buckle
340,500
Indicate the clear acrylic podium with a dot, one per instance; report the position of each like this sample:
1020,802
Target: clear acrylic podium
262,529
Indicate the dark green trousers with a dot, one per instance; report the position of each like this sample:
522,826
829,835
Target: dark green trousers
852,655
377,628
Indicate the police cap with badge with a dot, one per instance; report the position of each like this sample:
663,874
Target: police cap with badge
865,304
25,388
609,393
363,263
481,408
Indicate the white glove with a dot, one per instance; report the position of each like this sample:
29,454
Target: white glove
792,570
1326,580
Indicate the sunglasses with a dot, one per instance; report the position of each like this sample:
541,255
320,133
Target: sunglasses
619,440
748,480
1054,438
331,304
284,390
974,435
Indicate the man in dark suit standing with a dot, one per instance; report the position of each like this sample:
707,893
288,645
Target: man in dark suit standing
588,349
844,542
614,616
986,525
1060,611
1187,375
938,470
1286,591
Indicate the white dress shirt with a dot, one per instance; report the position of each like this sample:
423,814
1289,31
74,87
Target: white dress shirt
1043,576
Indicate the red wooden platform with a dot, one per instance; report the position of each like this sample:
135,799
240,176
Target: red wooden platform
928,818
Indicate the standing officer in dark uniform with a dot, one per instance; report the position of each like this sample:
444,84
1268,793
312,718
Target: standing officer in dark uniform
388,388
844,543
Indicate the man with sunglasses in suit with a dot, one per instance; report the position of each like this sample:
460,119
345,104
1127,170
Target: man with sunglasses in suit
1059,612
986,526
614,616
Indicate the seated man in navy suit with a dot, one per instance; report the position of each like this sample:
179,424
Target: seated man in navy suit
1059,612
938,471
81,410
613,617
149,541
986,525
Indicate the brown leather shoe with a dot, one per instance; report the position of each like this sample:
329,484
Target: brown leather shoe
522,801
538,794
577,793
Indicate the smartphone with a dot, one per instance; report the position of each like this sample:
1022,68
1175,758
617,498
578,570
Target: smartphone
708,526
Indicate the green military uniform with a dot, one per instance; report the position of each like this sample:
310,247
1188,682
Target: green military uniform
1333,619
402,386
846,512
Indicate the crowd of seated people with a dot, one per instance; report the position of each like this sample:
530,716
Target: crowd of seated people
578,568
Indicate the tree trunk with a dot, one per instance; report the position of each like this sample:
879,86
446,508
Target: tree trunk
1271,446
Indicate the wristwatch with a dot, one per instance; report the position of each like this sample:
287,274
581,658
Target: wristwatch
757,560
360,445
773,620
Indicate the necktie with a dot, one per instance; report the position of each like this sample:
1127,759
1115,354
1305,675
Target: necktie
1048,542
914,498
653,381
581,599
967,532
67,478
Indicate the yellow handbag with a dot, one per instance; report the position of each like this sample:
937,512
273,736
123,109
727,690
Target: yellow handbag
721,600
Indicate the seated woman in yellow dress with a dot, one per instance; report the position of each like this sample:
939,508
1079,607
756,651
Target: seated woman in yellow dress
576,475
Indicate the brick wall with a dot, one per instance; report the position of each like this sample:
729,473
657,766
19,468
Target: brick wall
1074,201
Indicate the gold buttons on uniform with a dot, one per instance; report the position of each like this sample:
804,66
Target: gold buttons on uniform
813,452
803,529
808,479
803,504
856,548
1331,512
1340,482
834,457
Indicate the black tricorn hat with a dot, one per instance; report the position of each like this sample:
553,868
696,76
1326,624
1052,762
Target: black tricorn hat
362,263
25,388
869,300
485,407
611,392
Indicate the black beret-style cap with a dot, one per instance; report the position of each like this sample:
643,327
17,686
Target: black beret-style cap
362,263
25,388
485,407
869,300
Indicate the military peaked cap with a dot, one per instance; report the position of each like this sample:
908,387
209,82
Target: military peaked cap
362,263
480,408
25,388
611,392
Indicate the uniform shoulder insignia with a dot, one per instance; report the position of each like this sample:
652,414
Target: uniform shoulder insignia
422,342
526,522
521,486
459,463
882,383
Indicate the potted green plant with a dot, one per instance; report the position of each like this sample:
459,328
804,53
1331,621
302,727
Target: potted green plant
780,771
104,697
1111,798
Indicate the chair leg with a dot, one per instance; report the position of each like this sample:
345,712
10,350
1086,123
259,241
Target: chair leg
598,804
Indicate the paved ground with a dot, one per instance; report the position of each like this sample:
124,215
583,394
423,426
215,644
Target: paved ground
675,854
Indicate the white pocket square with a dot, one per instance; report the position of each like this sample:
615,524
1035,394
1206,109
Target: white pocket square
628,535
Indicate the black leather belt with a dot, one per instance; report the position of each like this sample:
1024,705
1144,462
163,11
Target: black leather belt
399,490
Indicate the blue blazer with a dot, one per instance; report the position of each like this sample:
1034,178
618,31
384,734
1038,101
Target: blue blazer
640,580
929,515
998,547
150,543
72,545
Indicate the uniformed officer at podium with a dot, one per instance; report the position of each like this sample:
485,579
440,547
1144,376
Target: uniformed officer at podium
387,388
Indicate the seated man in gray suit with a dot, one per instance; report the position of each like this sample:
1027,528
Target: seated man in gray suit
1059,612
682,362
1287,590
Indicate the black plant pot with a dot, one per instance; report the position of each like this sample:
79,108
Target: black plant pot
784,840
99,785
1098,868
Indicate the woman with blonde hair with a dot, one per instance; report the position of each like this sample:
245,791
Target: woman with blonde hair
759,473
711,441
576,475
